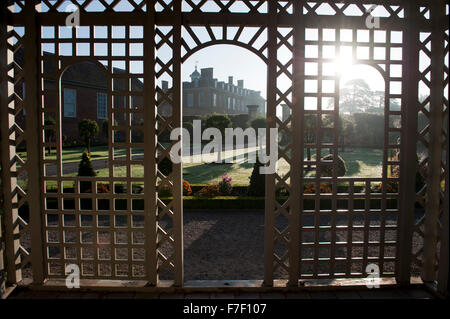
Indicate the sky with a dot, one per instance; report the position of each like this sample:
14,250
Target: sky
240,63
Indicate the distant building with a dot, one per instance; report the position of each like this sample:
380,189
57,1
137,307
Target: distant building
84,95
206,95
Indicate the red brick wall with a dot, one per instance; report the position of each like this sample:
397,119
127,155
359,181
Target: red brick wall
86,101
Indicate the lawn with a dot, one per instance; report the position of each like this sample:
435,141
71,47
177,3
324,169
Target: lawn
361,162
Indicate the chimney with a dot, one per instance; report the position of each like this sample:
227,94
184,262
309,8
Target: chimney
241,83
230,80
252,111
207,73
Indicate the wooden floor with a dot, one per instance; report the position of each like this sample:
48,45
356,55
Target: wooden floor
382,293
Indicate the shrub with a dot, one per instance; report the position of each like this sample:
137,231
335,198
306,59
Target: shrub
219,121
85,166
186,188
102,188
326,169
391,187
225,187
85,169
209,191
310,188
258,122
257,186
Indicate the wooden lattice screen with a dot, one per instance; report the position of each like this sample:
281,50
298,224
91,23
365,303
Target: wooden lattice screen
133,235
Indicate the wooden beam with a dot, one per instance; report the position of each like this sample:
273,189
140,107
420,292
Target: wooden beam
408,164
150,111
271,114
8,153
435,148
34,152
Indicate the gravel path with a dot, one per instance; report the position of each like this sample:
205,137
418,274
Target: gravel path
229,245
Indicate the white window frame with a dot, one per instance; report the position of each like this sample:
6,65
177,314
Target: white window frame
99,94
66,102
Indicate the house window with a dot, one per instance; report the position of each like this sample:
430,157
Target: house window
70,103
214,99
190,100
201,100
102,109
229,103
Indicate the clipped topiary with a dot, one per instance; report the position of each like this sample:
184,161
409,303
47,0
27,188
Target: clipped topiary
85,169
85,166
326,169
257,185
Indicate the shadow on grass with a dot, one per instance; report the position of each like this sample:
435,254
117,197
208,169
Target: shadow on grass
197,174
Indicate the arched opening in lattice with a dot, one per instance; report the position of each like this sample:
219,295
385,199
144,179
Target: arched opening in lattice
361,132
84,96
223,82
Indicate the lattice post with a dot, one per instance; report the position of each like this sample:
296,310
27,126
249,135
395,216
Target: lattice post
33,150
2,263
177,117
443,273
408,146
444,258
297,146
435,149
150,146
271,114
8,153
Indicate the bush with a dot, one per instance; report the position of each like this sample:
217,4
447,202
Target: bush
85,166
258,122
186,188
326,169
310,188
257,185
85,169
209,191
225,187
219,121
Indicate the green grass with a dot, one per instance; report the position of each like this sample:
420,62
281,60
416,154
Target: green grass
73,154
361,162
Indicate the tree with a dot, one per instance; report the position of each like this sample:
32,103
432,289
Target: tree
258,122
87,130
346,130
50,133
356,96
219,121
310,134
